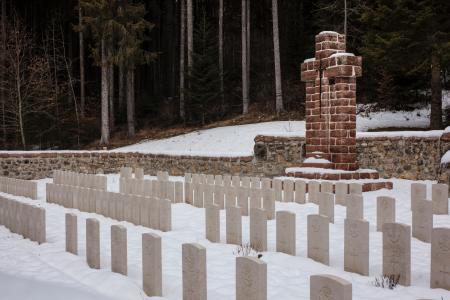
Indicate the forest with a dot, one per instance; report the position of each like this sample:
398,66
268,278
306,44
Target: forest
91,72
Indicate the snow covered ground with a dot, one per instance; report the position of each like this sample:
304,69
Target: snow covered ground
239,140
47,272
222,141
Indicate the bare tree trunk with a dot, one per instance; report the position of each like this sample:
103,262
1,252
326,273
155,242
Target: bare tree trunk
121,89
276,53
436,93
20,105
130,102
182,55
345,19
80,37
72,89
222,89
56,84
3,62
105,96
248,17
190,35
111,97
244,59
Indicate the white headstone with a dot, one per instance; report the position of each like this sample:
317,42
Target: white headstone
194,272
278,188
93,243
251,278
119,256
326,205
71,233
242,200
440,259
269,203
397,252
313,191
418,192
319,238
355,206
440,198
341,191
258,229
151,264
286,232
212,223
422,220
385,211
355,188
288,189
234,225
356,246
300,191
329,287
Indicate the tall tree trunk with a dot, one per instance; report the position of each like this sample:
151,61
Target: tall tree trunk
436,93
112,120
130,102
81,38
3,62
105,96
276,53
244,59
248,18
20,111
222,89
121,90
345,20
169,46
182,55
190,35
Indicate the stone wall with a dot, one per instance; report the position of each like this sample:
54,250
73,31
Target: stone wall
40,165
402,157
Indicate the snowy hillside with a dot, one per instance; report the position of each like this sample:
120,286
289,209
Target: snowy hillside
239,140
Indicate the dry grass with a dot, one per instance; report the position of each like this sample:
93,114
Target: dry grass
387,282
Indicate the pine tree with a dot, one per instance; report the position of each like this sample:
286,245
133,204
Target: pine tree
120,29
132,31
204,90
411,40
99,18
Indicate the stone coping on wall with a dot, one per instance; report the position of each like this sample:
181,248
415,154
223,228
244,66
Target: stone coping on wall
382,135
106,154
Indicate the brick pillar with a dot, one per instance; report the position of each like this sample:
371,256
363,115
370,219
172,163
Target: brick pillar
331,103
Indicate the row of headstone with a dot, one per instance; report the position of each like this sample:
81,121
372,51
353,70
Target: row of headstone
172,190
24,219
151,251
424,209
251,278
246,198
439,197
396,237
18,187
127,172
150,212
92,181
251,272
198,186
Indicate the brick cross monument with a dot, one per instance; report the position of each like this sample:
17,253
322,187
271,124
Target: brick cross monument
330,79
331,104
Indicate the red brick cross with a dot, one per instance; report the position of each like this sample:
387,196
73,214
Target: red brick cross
331,102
